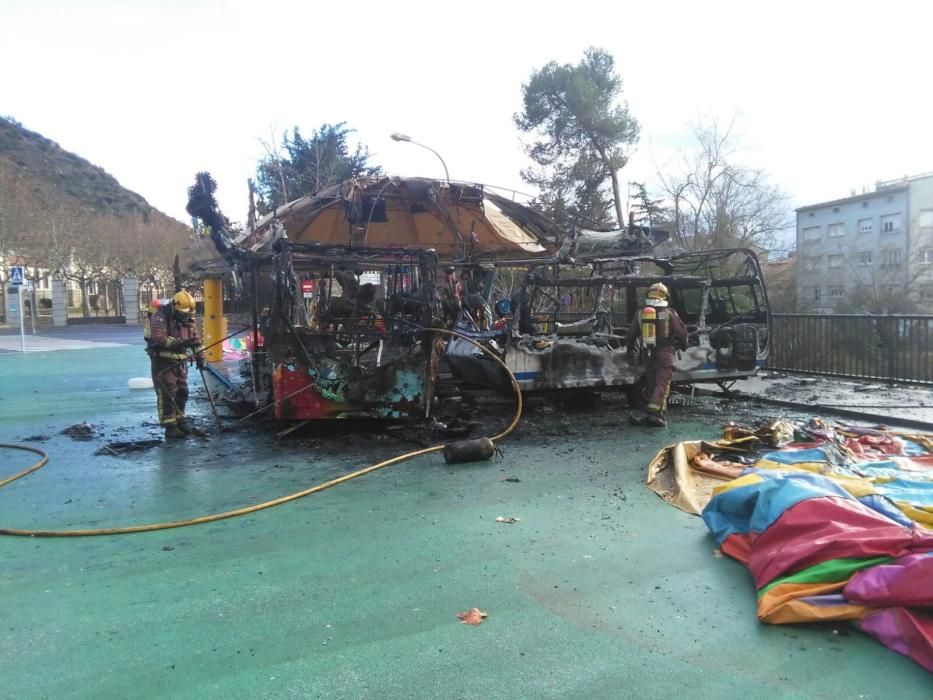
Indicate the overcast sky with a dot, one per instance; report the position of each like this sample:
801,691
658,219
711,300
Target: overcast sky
829,96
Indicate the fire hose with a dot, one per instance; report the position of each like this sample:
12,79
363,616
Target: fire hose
246,510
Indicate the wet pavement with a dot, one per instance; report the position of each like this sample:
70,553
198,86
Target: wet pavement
877,398
599,590
78,337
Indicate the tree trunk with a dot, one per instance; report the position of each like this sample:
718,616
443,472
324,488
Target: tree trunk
176,267
85,301
614,176
617,196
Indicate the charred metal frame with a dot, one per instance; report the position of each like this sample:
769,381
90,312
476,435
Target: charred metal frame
360,353
549,348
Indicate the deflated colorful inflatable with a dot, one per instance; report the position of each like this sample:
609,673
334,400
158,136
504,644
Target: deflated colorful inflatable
834,525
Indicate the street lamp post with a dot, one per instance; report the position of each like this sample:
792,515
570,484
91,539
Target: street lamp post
407,139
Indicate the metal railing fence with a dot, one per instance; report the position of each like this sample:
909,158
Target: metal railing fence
888,348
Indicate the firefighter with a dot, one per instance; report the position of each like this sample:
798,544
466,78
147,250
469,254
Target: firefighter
172,343
660,332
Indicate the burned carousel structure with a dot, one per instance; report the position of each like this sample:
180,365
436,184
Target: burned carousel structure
345,286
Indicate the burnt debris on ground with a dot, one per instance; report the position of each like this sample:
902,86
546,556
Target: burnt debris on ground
81,431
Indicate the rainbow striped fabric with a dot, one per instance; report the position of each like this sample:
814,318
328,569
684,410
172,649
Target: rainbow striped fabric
838,526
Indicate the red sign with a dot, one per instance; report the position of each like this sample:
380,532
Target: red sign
307,286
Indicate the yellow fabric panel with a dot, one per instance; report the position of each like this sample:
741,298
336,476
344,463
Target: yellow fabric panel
782,605
919,514
671,477
855,485
510,231
921,439
746,480
814,467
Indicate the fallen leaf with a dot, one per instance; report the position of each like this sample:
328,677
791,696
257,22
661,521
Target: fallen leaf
500,519
474,616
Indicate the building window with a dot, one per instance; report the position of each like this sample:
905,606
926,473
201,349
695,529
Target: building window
891,257
864,258
835,210
811,263
925,219
865,225
865,204
890,223
817,294
835,262
811,233
810,214
890,197
837,292
926,256
836,230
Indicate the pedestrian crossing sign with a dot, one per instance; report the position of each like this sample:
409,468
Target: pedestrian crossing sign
16,276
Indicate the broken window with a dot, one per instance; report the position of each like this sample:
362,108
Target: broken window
374,210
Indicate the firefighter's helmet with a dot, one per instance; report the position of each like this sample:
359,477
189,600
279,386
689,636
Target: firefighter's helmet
183,303
657,291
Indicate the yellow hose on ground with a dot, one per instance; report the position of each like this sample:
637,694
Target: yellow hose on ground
258,506
19,475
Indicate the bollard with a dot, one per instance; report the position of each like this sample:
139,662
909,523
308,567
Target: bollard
213,318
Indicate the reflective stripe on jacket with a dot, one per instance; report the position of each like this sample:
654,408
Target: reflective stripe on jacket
168,338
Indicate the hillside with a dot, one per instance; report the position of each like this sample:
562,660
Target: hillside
32,155
60,211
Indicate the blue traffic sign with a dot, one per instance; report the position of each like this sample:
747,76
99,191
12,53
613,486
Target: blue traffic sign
16,276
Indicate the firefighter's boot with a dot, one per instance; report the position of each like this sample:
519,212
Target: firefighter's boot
189,429
654,420
172,432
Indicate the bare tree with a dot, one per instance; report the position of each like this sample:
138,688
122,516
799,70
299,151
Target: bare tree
888,281
274,155
13,222
781,279
715,200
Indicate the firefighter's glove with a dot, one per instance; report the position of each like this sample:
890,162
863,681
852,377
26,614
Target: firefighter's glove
199,361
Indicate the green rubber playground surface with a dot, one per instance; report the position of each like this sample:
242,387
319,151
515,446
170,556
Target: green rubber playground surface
601,590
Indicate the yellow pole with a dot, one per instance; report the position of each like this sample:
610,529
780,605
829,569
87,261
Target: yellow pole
214,321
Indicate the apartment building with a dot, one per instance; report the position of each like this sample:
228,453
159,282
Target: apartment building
874,246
